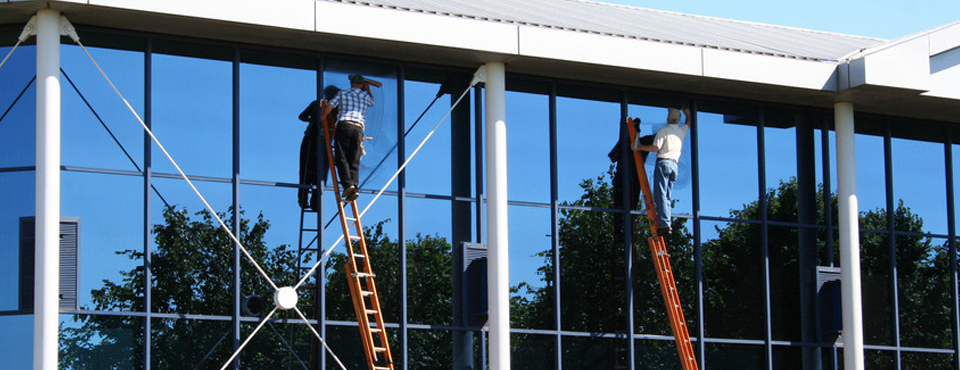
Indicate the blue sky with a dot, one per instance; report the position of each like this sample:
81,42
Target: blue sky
886,19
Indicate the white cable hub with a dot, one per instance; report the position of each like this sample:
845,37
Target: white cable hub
285,298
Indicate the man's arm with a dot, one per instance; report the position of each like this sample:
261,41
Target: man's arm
686,112
326,110
307,113
647,148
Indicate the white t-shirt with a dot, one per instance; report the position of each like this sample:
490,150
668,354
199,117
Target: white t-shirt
670,141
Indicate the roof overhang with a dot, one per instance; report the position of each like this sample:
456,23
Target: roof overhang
899,80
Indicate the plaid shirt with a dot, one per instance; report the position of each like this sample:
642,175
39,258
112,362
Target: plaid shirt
352,103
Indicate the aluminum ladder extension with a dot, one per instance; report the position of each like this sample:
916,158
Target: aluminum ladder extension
360,277
661,260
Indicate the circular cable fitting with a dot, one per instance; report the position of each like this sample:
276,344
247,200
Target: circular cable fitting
285,298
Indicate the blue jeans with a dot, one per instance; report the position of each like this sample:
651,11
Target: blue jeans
664,175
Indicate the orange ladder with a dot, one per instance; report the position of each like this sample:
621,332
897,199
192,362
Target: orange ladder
661,260
360,277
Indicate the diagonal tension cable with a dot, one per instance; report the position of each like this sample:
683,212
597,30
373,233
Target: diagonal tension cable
183,175
18,97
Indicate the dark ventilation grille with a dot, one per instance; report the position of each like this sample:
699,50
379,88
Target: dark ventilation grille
475,284
69,262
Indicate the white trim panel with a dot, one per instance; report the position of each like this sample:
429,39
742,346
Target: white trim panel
945,75
608,50
945,39
764,69
419,28
294,14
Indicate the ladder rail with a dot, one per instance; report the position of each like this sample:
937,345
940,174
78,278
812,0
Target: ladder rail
356,273
661,261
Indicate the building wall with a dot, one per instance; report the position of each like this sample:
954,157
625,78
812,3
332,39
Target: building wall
227,113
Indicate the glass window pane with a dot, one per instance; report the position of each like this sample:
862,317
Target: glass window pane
784,283
430,171
590,280
586,130
588,353
17,343
924,289
16,201
528,147
193,115
915,360
875,280
271,100
183,343
530,267
192,258
101,342
533,351
18,108
656,354
780,147
870,170
104,134
110,208
728,165
733,281
736,356
429,261
919,183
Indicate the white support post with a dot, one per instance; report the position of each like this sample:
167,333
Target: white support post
849,238
47,277
498,267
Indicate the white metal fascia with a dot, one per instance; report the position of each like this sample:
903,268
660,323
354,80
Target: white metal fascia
944,39
292,14
770,70
420,28
609,50
903,64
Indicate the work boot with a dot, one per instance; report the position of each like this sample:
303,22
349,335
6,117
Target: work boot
350,193
663,231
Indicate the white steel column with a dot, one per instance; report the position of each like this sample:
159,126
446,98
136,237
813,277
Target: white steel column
498,267
849,238
47,287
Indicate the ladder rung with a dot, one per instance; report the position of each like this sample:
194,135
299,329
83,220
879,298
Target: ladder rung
381,368
308,230
379,349
358,255
376,331
366,293
349,218
371,312
363,275
354,237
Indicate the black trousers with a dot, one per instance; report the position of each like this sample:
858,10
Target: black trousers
313,162
348,153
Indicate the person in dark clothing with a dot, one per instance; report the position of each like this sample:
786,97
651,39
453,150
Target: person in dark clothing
312,150
626,168
352,105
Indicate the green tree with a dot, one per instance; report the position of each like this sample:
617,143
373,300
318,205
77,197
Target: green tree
191,274
733,274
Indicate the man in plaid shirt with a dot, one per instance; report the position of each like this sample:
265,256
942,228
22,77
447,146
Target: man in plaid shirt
352,104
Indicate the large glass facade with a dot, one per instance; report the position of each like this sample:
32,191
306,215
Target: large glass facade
161,285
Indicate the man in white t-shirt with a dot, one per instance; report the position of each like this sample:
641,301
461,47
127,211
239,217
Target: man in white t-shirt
668,144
